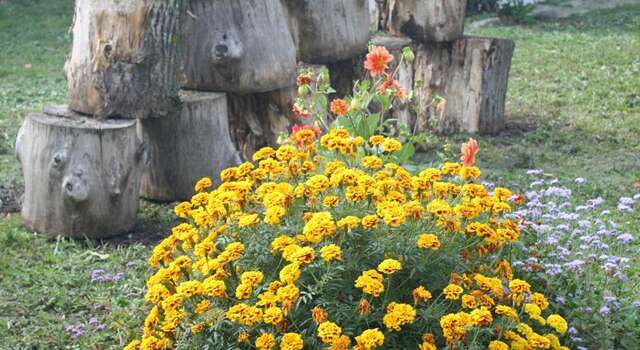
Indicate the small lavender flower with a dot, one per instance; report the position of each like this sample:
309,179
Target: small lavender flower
75,331
625,238
604,310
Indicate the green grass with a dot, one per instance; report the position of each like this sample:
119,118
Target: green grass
574,111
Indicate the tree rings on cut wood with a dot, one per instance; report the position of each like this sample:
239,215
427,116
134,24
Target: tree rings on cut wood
426,20
241,46
185,147
329,30
124,59
82,176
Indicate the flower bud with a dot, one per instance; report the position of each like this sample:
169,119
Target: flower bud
408,55
303,90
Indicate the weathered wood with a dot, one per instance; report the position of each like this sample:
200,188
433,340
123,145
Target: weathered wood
425,20
124,57
329,30
185,147
237,46
257,120
472,74
81,175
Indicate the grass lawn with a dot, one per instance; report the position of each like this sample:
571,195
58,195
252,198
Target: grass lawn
574,111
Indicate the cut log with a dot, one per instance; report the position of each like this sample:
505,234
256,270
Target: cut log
124,59
81,175
329,30
257,120
186,147
470,74
241,46
425,20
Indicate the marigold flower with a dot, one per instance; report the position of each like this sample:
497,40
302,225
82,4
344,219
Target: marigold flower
389,266
428,241
370,282
329,332
266,341
370,339
331,252
377,60
558,323
452,292
421,294
364,307
291,341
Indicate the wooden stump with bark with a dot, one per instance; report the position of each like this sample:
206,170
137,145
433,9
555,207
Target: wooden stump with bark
329,30
81,175
425,20
124,58
187,146
241,46
469,74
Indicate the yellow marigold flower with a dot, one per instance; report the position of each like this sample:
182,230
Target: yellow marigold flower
450,168
242,337
304,255
481,317
202,306
266,341
370,339
203,184
502,194
536,341
468,301
469,172
391,145
274,215
263,153
372,162
389,266
558,323
540,300
398,315
273,316
330,201
319,315
376,140
355,193
329,332
243,291
428,241
287,295
291,341
553,339
189,288
213,287
370,282
498,345
232,252
532,310
507,311
501,207
228,174
452,292
286,152
421,294
454,326
370,221
319,226
342,343
331,252
318,183
182,209
290,273
281,242
133,345
156,294
252,278
348,223
518,286
248,220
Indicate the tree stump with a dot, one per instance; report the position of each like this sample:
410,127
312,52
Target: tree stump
425,20
472,75
187,146
81,175
257,120
241,46
124,57
329,30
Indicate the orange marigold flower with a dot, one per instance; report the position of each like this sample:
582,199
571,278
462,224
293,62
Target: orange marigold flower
304,79
377,60
339,107
469,151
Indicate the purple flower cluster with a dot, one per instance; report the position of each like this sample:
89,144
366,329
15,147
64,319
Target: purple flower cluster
575,244
100,275
78,330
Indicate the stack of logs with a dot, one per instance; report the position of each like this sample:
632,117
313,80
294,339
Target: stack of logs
166,92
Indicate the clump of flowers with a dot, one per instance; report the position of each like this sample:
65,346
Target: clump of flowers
313,247
582,252
328,243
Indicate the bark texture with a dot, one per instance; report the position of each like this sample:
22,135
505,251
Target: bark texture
187,146
124,59
425,20
471,75
241,46
329,30
257,120
81,175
